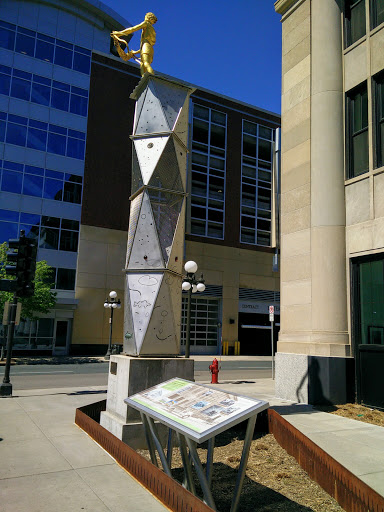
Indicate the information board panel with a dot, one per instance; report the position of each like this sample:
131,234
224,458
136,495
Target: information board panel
195,410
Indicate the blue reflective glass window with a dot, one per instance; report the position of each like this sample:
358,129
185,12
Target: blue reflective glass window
76,148
33,185
11,182
63,57
37,139
52,222
17,119
25,44
54,174
5,82
61,85
7,38
16,134
69,240
9,215
53,189
30,231
2,131
79,105
22,74
57,129
41,94
79,91
49,238
38,124
44,50
60,100
31,169
56,144
7,231
29,218
20,88
13,166
76,134
72,192
81,63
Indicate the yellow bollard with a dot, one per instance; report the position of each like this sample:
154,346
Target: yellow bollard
225,348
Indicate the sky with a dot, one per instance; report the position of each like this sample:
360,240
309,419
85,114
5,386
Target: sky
230,47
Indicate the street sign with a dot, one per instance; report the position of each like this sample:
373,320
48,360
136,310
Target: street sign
271,313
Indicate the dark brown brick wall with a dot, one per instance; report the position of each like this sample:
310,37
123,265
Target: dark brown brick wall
107,177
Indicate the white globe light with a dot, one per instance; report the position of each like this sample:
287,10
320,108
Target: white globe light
194,288
186,286
114,305
190,267
200,287
113,295
106,305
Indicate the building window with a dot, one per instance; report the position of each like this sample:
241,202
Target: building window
256,180
62,278
25,132
204,319
208,172
51,232
38,182
379,118
354,21
377,13
357,131
48,49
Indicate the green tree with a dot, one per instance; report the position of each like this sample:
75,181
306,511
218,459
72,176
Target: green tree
43,300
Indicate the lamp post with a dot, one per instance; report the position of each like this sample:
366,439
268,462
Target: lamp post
191,285
112,303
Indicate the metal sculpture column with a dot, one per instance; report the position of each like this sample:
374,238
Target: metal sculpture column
154,260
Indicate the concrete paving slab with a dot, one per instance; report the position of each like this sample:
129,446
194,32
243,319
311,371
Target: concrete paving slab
53,424
8,405
16,426
30,457
61,491
81,451
375,481
111,485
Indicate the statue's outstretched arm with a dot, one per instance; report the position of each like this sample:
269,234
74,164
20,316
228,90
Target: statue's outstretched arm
129,30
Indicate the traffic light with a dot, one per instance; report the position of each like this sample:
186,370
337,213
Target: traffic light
21,261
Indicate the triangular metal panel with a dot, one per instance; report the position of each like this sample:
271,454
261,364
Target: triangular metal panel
172,99
167,172
139,106
175,259
181,155
136,180
166,208
146,251
181,126
129,344
133,217
160,337
152,118
143,289
148,151
174,283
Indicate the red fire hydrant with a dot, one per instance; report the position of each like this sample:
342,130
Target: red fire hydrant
214,369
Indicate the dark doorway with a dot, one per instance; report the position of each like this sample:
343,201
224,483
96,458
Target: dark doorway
255,334
368,328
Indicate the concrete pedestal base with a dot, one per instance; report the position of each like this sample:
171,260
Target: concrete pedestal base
130,375
314,379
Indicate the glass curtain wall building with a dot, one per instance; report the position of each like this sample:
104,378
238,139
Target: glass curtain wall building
45,54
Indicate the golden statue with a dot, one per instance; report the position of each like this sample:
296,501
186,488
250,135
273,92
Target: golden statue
148,39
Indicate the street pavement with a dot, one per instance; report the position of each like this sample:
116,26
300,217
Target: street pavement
48,463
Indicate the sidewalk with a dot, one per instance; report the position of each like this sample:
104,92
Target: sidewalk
48,463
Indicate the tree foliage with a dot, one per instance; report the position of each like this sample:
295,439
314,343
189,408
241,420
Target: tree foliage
43,300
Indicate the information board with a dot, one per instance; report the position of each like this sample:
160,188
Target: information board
196,410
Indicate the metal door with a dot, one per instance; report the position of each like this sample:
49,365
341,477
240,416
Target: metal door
368,329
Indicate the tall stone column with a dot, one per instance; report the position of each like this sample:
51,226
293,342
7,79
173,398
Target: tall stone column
311,362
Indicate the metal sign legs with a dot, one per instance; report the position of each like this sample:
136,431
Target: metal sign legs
191,459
